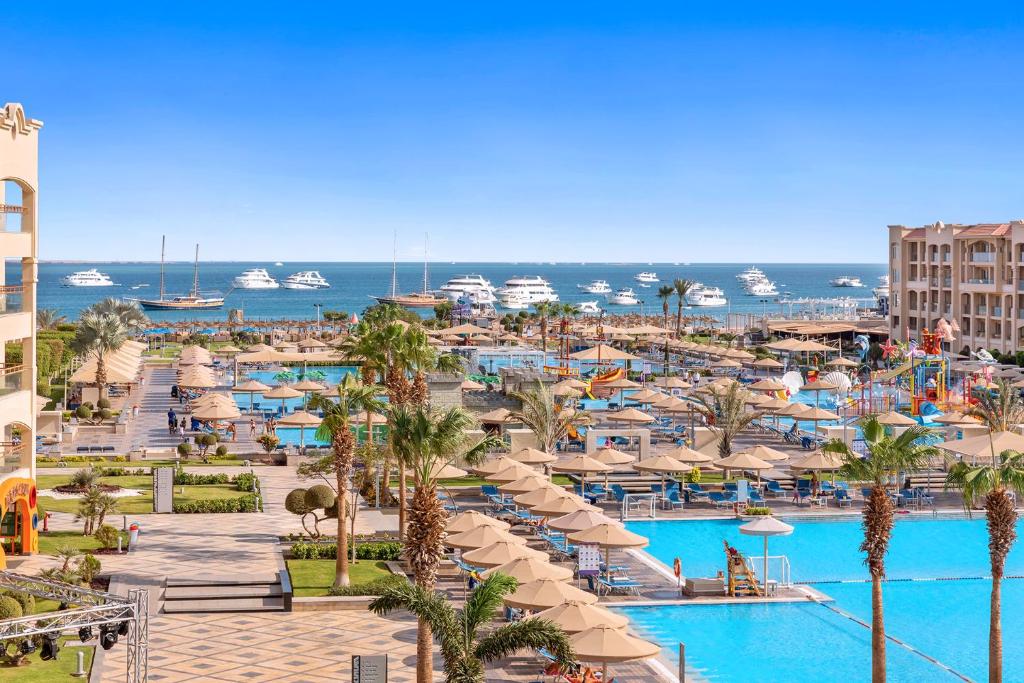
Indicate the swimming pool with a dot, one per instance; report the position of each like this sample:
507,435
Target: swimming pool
331,375
945,620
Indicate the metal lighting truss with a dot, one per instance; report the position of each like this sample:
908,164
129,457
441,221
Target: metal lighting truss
92,608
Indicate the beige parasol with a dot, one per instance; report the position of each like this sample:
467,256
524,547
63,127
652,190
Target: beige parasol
525,484
561,507
532,456
606,644
579,520
612,457
511,473
767,453
545,493
630,415
602,352
575,616
984,445
547,593
527,569
895,419
464,521
688,455
494,465
500,552
744,461
481,536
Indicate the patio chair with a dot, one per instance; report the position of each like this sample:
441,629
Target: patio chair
924,497
843,498
729,486
694,490
619,494
721,500
597,490
674,500
754,497
775,489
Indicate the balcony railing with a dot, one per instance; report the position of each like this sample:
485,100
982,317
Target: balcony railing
983,257
11,299
997,311
10,378
980,281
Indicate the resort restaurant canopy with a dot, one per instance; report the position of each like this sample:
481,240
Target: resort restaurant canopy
603,352
123,366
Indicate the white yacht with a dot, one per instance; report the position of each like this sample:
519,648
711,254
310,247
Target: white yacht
706,296
846,281
761,288
751,273
624,297
521,292
87,278
255,278
475,288
306,279
597,287
646,276
882,289
590,307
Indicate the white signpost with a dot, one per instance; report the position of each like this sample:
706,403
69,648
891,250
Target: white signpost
163,489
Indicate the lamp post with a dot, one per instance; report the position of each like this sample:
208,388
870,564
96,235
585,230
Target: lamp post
318,307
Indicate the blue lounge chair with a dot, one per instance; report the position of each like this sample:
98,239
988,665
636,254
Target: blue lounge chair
755,498
620,585
925,498
775,489
489,490
843,498
694,490
620,495
729,486
674,500
597,489
722,500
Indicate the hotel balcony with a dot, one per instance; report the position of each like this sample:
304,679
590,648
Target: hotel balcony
15,322
12,457
983,257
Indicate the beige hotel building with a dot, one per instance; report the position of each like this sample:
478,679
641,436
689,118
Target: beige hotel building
970,274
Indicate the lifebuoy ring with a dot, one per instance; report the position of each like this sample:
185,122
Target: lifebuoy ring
677,567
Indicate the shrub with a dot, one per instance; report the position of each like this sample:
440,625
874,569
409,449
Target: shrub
295,502
269,442
25,600
103,404
758,511
221,451
246,481
249,503
120,472
83,412
107,536
375,587
184,449
87,567
387,551
10,608
85,478
693,476
183,478
320,496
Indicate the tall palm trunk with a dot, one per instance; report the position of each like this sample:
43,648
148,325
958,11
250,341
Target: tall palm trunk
344,450
1002,532
544,333
878,522
424,548
679,317
101,373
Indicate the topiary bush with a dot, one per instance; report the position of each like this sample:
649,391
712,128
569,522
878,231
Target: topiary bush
87,567
295,502
10,608
249,503
184,449
221,451
26,601
385,551
103,403
320,496
246,481
83,412
107,536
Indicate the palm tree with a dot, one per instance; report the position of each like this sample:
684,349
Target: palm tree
682,288
105,505
99,334
994,483
727,415
888,456
49,318
549,421
337,428
665,293
464,650
129,313
543,309
425,441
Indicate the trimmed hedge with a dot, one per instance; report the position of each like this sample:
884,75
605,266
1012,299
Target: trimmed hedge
250,503
246,481
183,478
385,551
375,587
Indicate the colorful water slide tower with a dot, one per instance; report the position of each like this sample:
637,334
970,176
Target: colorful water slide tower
929,374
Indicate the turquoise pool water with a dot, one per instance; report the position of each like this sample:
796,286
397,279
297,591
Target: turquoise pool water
829,550
946,620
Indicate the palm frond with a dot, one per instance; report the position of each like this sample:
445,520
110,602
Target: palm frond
528,633
485,600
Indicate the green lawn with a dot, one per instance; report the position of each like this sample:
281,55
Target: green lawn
50,541
311,578
59,669
134,505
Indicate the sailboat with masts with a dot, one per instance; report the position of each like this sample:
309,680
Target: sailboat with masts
424,299
180,302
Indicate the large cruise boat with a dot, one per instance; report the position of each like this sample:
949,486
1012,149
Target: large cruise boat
846,281
255,278
87,278
763,287
882,289
596,287
751,273
624,297
646,276
700,295
521,292
306,279
474,288
589,307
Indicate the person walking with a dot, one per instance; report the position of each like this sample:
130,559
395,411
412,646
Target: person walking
172,420
252,427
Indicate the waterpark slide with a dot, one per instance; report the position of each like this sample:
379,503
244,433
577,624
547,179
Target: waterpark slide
894,373
604,378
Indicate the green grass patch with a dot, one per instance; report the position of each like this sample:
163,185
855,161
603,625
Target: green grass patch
50,541
312,578
59,669
139,504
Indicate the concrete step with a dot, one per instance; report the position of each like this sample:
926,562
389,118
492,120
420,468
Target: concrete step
239,580
256,604
209,592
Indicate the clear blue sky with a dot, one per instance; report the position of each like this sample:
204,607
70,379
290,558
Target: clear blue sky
555,131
